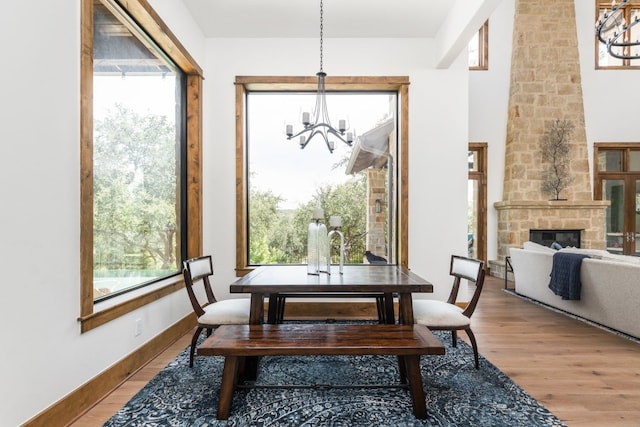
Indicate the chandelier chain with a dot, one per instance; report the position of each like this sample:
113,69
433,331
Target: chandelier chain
317,122
321,31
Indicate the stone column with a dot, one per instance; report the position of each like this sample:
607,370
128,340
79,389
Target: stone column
545,85
376,221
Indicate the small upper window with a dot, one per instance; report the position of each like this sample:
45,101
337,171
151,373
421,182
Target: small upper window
621,25
479,49
619,159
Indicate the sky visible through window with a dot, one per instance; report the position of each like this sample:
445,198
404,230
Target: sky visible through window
279,165
143,94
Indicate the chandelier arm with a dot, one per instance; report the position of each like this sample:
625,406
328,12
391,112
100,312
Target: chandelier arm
338,135
616,36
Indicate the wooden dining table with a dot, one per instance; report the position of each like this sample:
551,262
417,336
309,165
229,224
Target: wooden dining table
271,280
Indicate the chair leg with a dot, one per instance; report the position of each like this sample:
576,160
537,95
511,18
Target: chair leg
194,340
472,338
454,338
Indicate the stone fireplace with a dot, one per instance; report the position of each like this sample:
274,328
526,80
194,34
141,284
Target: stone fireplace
545,85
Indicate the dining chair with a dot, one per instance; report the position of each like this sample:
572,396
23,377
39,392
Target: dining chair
446,315
212,312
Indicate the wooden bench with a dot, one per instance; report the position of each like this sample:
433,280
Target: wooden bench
237,342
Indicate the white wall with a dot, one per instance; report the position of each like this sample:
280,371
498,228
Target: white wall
437,134
43,354
488,104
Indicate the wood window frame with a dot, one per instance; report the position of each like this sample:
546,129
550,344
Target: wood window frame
483,48
142,13
626,175
245,84
480,174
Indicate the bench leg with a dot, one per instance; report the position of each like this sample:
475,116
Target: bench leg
415,385
227,385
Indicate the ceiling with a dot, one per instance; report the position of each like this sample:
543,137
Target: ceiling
342,18
451,23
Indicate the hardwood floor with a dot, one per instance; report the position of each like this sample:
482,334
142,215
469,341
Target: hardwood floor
584,375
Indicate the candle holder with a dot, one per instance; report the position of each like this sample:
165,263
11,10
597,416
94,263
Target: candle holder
318,253
335,222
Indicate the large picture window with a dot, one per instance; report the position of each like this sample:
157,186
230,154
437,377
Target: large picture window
138,158
140,130
279,184
356,183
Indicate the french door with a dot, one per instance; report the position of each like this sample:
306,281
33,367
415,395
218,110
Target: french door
618,180
477,201
623,216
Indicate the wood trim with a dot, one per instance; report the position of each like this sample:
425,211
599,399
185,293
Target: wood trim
194,166
297,83
483,48
242,261
481,176
303,83
73,405
98,318
147,18
403,209
86,159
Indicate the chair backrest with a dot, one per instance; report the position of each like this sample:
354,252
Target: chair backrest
470,269
196,270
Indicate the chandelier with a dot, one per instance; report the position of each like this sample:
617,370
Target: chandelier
611,29
317,122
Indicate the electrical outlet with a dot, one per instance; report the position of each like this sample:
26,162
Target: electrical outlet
138,328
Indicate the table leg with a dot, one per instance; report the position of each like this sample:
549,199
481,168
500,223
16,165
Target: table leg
415,385
405,308
272,312
256,317
390,316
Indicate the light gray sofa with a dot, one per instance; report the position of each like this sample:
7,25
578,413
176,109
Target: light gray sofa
610,293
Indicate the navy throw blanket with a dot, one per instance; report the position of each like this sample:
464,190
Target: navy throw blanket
565,275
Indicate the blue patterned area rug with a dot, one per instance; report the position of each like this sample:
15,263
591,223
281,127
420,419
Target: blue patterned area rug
456,394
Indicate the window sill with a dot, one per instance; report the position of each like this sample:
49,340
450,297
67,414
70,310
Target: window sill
112,309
